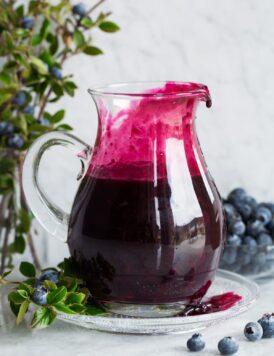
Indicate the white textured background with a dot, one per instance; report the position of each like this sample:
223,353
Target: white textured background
228,45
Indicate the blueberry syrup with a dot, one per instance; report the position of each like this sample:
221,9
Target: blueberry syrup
146,225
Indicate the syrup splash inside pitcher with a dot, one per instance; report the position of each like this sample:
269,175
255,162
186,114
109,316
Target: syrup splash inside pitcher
146,226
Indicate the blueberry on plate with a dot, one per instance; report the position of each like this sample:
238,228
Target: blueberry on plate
253,331
233,240
236,227
196,343
251,201
259,259
250,245
244,210
236,195
230,255
39,296
254,228
263,214
267,323
230,211
269,206
264,240
243,257
29,110
49,275
228,346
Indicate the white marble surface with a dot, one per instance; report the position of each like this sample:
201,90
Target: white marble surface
68,340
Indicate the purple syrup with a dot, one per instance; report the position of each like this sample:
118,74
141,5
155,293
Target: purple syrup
124,256
212,305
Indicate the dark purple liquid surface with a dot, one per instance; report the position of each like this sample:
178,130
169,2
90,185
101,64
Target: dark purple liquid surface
130,246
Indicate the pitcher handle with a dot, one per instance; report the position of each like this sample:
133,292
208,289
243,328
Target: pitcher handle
50,216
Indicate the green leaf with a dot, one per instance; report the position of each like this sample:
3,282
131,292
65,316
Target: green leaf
79,39
92,310
53,40
64,308
22,311
70,87
23,293
21,32
38,65
43,317
57,117
27,269
5,78
19,244
7,166
64,127
57,295
15,308
77,308
25,222
57,89
69,267
47,58
45,28
15,297
87,22
6,183
25,287
20,10
8,40
75,298
36,40
108,26
92,51
50,285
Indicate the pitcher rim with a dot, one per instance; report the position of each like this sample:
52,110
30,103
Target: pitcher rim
109,89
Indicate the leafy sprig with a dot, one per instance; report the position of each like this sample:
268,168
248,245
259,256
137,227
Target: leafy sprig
68,295
36,40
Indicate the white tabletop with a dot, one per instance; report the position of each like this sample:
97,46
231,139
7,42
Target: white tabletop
66,339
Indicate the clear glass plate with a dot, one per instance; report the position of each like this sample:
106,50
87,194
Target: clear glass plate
224,282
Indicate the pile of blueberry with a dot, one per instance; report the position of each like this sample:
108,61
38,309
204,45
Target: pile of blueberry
250,241
40,293
253,331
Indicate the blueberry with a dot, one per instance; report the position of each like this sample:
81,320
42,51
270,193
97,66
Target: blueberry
29,110
43,122
250,245
264,240
236,227
269,206
6,128
49,275
244,210
243,257
255,227
263,214
39,296
19,98
27,22
259,259
267,323
233,240
229,210
230,255
270,227
196,343
228,346
236,195
253,331
56,72
15,141
79,9
251,202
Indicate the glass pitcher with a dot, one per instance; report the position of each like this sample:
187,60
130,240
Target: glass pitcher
146,226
